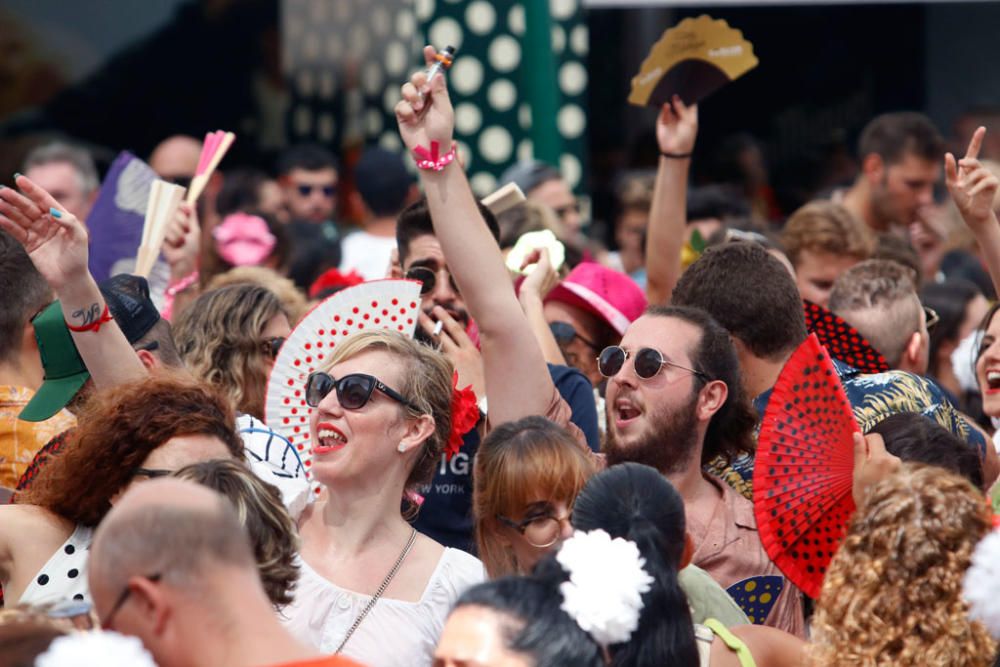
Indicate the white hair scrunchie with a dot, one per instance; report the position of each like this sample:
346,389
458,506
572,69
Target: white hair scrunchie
606,582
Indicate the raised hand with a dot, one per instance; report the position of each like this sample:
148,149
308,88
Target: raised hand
54,239
425,115
182,242
543,278
677,127
972,186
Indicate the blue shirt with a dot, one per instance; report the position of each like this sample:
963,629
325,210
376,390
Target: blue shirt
446,513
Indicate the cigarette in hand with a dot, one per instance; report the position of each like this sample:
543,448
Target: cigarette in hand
437,329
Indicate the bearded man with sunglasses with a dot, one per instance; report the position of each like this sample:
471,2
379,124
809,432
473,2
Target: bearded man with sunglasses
675,401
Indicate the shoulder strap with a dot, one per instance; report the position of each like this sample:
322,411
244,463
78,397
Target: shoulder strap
732,641
704,637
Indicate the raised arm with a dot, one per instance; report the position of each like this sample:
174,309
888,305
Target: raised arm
56,242
973,187
534,289
517,381
676,131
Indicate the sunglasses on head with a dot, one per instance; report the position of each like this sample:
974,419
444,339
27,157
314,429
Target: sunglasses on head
932,317
353,391
647,362
306,190
564,333
272,346
428,279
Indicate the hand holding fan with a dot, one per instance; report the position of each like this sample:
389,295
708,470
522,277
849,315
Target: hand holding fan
692,60
842,341
804,468
164,198
378,304
212,151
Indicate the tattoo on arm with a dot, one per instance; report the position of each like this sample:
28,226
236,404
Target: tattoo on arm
88,315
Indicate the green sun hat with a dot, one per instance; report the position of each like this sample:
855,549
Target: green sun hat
65,371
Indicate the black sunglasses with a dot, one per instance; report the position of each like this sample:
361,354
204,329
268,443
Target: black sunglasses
564,333
647,362
306,190
120,602
272,346
932,317
353,391
428,279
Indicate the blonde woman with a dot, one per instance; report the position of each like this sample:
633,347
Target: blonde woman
230,337
892,594
371,587
273,535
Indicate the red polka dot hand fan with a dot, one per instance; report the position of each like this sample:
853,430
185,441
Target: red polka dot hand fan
804,467
378,304
844,342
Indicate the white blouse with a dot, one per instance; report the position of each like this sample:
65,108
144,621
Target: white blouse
395,633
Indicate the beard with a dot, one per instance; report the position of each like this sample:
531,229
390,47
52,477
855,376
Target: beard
460,315
667,444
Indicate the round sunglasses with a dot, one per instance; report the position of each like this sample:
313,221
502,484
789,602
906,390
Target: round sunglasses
428,279
647,362
353,391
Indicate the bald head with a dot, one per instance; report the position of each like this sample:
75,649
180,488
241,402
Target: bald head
176,156
180,530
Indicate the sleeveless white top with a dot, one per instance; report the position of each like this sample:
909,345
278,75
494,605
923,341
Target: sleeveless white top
64,576
395,633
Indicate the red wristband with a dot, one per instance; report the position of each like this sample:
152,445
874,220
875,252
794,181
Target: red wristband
432,159
93,326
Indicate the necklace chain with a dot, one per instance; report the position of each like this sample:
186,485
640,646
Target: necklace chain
381,589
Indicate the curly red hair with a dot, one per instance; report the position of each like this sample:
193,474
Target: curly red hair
118,429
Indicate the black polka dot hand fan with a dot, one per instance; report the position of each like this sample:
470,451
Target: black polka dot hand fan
843,341
378,304
804,467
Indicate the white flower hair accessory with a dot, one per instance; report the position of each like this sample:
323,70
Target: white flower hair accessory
981,588
95,649
606,582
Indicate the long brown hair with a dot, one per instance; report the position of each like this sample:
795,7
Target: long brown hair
517,464
220,338
118,429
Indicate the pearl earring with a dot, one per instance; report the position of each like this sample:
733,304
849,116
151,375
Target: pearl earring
401,448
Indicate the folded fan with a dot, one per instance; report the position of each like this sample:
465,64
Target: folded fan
164,198
212,151
804,467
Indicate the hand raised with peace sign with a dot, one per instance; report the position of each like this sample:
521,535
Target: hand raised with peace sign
972,186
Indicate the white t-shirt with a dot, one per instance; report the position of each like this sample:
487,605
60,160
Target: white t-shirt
367,254
395,633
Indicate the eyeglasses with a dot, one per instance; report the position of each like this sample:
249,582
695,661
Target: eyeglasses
428,279
272,346
151,473
353,391
564,333
305,190
540,530
120,602
932,317
647,363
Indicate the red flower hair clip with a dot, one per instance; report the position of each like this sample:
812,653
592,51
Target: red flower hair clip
464,416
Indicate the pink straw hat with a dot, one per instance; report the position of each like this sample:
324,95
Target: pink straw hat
609,294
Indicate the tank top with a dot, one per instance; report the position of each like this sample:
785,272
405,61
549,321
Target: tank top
706,634
64,576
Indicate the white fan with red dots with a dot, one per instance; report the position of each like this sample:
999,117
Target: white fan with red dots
378,304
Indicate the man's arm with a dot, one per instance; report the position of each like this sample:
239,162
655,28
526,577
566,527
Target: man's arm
676,131
517,380
56,242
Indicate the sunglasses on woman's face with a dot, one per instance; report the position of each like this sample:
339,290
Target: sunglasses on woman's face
272,346
353,391
564,333
647,362
428,279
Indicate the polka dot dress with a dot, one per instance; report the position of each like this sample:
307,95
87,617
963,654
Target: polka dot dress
64,576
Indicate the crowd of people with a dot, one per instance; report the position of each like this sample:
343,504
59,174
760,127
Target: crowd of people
556,468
